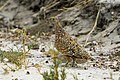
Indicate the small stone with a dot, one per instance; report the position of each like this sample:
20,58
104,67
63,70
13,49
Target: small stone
78,73
104,78
32,64
112,12
117,69
48,56
30,56
5,60
32,37
13,70
16,78
101,54
94,65
28,72
38,56
85,68
46,61
94,42
42,50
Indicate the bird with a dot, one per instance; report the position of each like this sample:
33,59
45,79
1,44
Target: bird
68,46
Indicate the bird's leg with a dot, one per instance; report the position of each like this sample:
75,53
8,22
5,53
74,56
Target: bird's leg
68,60
73,62
66,64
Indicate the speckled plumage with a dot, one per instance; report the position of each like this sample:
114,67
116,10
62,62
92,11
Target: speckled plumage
69,47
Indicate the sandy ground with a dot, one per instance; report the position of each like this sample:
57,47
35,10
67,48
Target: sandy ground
37,57
102,68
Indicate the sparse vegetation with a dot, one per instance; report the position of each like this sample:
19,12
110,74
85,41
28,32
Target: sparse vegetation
54,73
17,57
111,76
75,77
6,71
63,74
13,57
59,39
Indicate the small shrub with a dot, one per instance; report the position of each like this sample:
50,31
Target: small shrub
13,57
54,73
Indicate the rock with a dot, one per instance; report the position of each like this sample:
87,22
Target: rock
42,50
27,72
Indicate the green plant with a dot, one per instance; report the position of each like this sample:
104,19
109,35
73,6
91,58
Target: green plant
13,57
33,44
17,57
63,74
48,76
111,76
23,34
75,77
54,73
6,71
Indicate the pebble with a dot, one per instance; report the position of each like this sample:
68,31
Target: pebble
42,50
16,78
27,72
46,62
78,73
5,60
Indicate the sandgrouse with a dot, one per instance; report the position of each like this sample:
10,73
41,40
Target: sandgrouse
69,47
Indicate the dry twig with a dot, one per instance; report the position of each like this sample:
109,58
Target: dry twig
95,24
2,7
